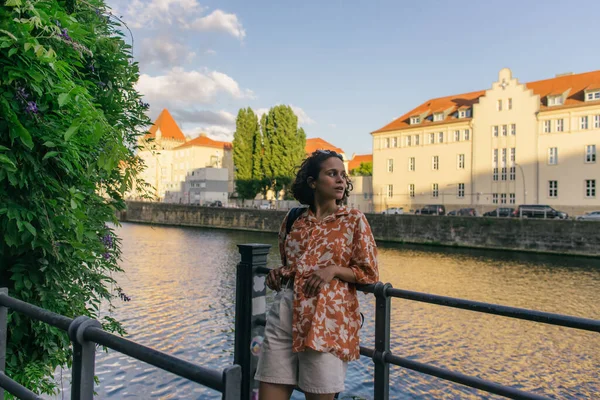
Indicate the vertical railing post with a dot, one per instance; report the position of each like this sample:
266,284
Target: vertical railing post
250,306
3,331
84,359
232,382
382,341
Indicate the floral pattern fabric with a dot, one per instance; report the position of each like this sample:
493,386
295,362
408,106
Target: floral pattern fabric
328,322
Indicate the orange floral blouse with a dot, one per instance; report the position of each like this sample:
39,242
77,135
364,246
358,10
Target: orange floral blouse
328,322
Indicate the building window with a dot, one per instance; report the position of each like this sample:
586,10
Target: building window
495,174
434,190
513,129
457,136
438,117
386,143
504,173
513,173
499,105
416,140
584,122
590,153
415,120
461,161
560,125
502,198
592,96
411,190
513,156
394,142
461,190
597,121
553,155
503,157
409,141
389,190
441,137
547,126
555,101
553,189
411,164
467,134
495,198
390,165
590,188
504,130
495,130
435,162
431,138
464,114
510,103
512,198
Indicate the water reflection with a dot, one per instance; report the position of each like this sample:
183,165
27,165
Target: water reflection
182,283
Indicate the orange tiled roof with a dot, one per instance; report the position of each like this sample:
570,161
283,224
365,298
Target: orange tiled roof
205,141
315,144
358,159
578,83
168,127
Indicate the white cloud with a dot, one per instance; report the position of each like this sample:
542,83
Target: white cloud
215,132
186,88
303,118
222,117
210,52
164,52
221,21
332,126
142,13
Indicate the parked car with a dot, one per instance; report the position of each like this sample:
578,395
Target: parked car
265,206
452,213
538,211
433,209
590,216
467,212
216,203
394,210
500,212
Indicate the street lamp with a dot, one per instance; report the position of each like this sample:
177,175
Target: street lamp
523,178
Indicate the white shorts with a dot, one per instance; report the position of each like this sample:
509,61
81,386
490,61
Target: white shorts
310,370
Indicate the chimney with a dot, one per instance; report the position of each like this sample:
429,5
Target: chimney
563,74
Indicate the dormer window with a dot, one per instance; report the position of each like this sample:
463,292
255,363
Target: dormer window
591,96
555,101
415,120
438,117
464,113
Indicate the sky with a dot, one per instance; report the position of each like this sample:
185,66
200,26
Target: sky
347,68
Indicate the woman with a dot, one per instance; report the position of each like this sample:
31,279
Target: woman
312,328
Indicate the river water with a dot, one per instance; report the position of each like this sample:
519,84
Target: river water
182,283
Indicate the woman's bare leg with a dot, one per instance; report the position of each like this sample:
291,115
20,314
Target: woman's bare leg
273,391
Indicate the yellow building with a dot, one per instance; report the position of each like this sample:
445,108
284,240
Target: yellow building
169,156
531,143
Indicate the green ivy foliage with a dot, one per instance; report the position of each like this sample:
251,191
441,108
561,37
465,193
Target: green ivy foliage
70,119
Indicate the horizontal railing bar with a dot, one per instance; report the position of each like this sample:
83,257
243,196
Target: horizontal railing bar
490,308
196,373
496,309
456,377
262,270
21,392
35,312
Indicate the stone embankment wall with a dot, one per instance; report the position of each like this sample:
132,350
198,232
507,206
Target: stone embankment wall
547,236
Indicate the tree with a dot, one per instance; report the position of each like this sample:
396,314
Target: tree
365,169
284,146
70,119
245,140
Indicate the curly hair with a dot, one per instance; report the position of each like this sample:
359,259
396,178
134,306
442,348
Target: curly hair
311,167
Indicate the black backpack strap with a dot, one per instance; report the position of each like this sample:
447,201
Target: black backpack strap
292,217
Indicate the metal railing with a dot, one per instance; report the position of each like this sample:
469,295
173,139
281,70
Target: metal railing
85,333
250,321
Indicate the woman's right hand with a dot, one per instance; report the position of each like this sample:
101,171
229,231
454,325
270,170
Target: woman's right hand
274,279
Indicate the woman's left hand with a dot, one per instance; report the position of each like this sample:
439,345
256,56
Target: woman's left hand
315,282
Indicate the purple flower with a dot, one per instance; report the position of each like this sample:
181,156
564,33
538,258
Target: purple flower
91,67
102,84
31,107
64,33
106,256
108,241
